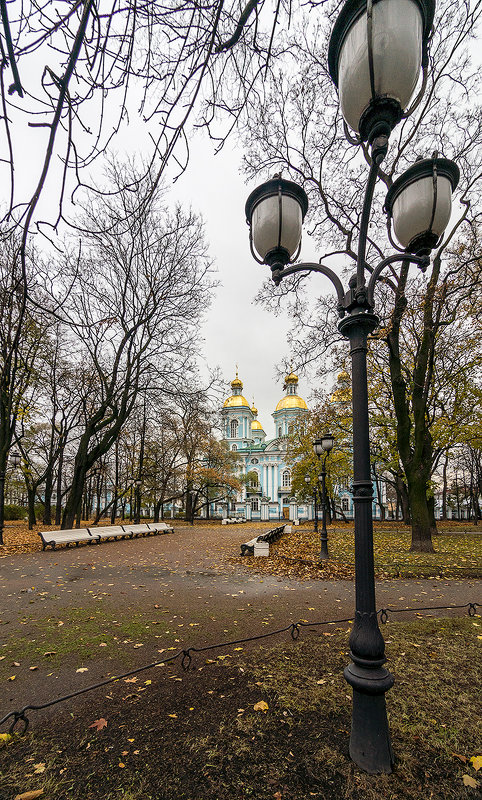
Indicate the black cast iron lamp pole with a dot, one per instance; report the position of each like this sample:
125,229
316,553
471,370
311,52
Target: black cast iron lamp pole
320,447
308,484
370,41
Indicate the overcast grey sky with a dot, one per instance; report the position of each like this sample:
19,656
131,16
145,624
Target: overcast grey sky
237,331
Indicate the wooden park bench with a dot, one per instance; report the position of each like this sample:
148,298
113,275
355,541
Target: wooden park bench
101,533
137,530
67,537
160,527
248,548
109,532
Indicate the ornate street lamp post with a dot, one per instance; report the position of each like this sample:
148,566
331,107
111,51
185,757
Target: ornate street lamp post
15,459
308,485
370,42
320,446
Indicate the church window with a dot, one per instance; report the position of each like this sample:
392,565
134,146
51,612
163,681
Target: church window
280,431
286,478
345,504
234,447
255,504
234,429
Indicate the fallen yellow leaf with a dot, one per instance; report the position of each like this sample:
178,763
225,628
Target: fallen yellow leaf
468,781
476,762
29,795
261,706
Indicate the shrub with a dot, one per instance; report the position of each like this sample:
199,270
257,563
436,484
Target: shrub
15,512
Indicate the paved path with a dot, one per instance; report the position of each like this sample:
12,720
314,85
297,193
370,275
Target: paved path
185,579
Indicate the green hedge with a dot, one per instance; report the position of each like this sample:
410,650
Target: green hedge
15,512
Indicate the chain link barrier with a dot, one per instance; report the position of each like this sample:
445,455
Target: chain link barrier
185,656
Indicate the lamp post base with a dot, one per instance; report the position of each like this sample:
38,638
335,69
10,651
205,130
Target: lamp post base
370,746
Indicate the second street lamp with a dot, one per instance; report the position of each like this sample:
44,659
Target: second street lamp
370,41
320,447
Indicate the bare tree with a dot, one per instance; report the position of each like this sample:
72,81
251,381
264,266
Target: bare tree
298,129
134,308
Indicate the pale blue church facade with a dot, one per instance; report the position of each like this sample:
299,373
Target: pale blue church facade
269,495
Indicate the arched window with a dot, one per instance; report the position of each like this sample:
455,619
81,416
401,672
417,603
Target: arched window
286,478
234,429
280,429
255,504
234,447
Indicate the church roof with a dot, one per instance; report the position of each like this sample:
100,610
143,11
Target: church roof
256,426
236,401
291,401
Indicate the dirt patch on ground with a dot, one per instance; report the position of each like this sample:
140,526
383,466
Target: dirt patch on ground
201,735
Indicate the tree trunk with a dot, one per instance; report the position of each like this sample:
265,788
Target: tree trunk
32,519
431,511
73,505
403,501
47,515
2,498
444,489
58,504
113,512
421,519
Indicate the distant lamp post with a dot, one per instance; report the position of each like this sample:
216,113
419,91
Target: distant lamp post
15,459
378,52
315,509
320,447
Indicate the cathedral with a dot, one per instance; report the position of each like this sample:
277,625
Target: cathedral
268,494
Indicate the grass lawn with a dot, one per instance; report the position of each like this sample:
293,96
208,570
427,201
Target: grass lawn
203,736
458,553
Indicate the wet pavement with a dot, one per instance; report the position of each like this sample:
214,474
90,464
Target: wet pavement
185,580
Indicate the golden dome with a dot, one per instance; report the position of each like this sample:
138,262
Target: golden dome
343,376
254,409
291,401
256,426
236,383
235,401
291,378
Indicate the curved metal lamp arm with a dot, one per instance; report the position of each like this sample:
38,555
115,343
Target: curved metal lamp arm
279,274
421,261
